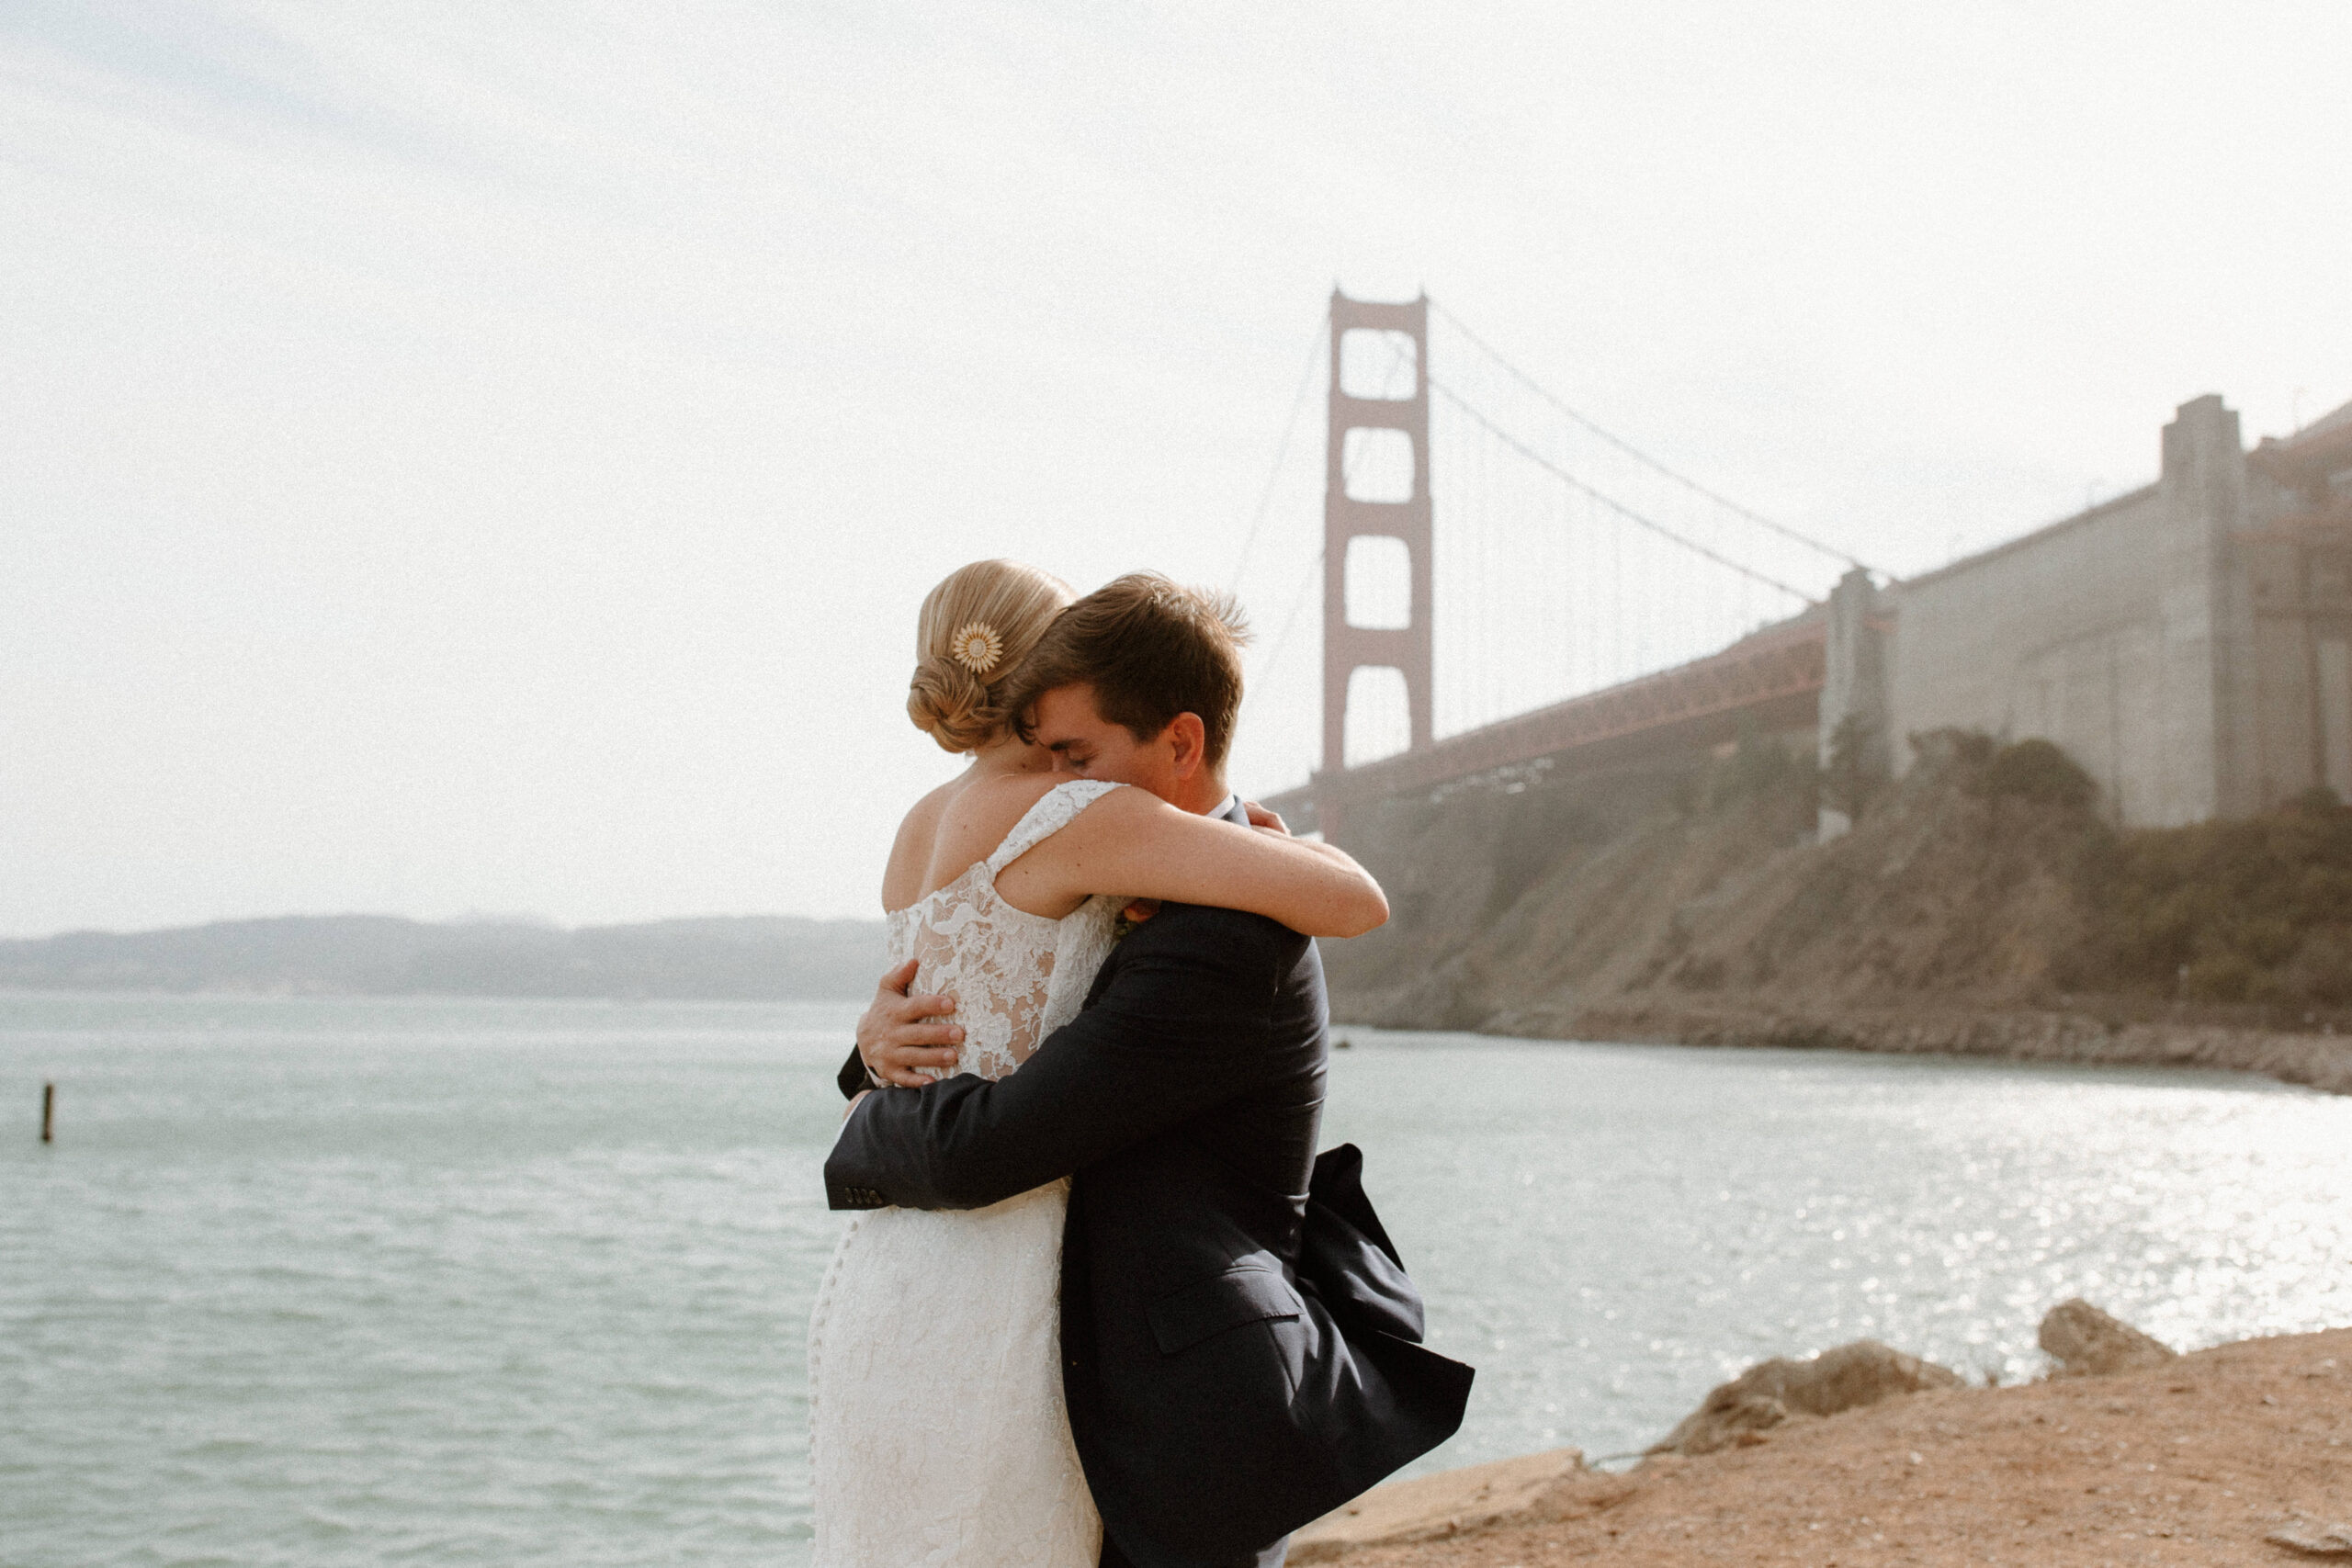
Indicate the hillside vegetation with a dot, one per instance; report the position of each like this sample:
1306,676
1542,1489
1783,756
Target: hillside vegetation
1988,878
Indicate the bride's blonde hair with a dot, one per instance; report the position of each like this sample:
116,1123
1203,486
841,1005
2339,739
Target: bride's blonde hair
975,629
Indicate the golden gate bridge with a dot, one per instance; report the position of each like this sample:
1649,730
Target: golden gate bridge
1507,588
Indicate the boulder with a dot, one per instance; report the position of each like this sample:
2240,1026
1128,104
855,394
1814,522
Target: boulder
1772,1392
2087,1342
2313,1539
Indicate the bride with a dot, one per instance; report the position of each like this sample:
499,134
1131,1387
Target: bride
938,1434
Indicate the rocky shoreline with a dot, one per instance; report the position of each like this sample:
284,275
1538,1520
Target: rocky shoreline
2319,1060
2127,1452
1982,906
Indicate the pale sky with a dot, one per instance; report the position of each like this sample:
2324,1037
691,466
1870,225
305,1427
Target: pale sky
475,458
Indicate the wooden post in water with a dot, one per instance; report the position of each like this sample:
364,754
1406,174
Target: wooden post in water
48,1111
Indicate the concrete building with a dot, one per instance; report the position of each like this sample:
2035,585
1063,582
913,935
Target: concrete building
2189,643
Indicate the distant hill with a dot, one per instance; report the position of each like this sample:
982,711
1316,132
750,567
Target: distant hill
751,957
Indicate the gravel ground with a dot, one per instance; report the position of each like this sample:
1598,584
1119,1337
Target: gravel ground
2195,1461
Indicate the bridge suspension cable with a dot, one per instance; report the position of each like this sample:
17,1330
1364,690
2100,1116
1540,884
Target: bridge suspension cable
1557,472
1622,444
1281,448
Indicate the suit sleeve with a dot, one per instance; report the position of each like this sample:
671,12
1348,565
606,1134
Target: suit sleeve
1181,1025
851,1077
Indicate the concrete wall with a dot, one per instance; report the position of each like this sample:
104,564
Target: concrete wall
2107,633
2207,625
2295,565
1853,690
2175,641
2062,634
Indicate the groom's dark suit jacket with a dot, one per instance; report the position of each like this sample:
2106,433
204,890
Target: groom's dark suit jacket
1240,1353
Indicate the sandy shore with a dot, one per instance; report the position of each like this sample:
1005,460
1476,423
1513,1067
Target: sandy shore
2199,1461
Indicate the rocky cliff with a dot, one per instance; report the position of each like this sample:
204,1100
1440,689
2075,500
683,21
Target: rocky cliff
1983,905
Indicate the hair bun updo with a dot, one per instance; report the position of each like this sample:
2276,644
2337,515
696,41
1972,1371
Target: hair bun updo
974,630
951,705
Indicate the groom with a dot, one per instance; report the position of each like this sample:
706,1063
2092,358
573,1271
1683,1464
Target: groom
1240,1346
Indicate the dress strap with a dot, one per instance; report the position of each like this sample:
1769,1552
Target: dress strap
1054,811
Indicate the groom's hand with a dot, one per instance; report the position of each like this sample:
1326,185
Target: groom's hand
894,1038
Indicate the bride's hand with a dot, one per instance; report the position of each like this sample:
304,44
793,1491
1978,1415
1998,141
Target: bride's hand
893,1038
1265,820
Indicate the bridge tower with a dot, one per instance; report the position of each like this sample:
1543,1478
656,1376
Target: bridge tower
1346,649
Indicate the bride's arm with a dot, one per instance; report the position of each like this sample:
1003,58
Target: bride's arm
1133,843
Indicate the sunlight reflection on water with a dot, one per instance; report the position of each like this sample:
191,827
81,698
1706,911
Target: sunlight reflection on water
1640,1221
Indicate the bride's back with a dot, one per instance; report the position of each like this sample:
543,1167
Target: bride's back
999,962
951,1445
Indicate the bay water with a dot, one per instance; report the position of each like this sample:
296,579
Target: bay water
326,1282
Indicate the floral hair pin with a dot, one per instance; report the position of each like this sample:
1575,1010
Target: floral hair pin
977,648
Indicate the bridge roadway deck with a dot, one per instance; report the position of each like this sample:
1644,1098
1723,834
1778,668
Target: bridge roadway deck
1773,678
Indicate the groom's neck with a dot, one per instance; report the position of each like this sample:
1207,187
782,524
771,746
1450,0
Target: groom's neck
1201,793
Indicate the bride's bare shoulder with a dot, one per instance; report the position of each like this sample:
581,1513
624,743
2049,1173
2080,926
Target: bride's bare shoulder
958,823
973,823
902,878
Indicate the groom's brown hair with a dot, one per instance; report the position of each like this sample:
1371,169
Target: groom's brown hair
1151,648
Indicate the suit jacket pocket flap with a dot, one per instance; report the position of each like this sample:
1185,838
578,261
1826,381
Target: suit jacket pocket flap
1248,1295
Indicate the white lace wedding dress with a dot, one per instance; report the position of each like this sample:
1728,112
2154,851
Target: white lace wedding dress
937,1432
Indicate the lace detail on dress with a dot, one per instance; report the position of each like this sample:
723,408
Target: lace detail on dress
1000,962
938,1434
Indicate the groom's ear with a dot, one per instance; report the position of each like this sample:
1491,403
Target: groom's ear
1189,740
